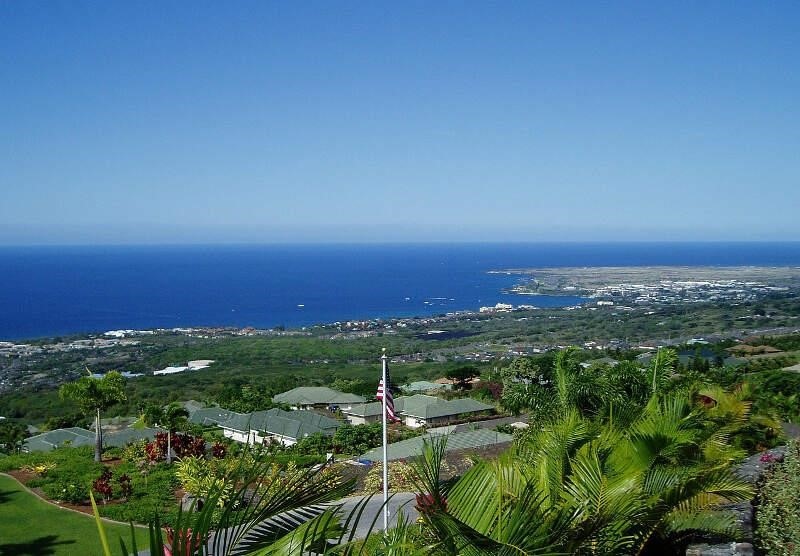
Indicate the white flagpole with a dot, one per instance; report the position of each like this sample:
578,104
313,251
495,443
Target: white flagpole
385,450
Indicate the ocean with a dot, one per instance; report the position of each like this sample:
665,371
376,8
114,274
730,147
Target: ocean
53,291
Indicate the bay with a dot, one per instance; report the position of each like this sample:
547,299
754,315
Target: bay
48,291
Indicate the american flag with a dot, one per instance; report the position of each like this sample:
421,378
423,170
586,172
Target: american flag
389,399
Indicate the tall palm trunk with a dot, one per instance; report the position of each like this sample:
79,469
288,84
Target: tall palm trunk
169,447
98,437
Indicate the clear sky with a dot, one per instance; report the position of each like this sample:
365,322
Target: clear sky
170,122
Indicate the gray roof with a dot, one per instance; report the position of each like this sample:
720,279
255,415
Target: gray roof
76,436
316,395
423,407
126,436
192,405
211,416
456,441
73,436
290,424
429,407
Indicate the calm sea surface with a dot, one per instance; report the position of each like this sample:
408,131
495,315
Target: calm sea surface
47,291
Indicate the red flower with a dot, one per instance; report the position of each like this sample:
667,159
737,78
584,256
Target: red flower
188,543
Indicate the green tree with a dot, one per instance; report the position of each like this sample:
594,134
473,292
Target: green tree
12,435
94,395
580,485
462,376
171,417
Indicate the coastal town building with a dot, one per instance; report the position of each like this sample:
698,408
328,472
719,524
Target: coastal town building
600,362
318,397
190,366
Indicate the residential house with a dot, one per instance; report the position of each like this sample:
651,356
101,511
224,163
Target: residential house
600,362
470,440
277,425
318,397
77,436
210,415
420,411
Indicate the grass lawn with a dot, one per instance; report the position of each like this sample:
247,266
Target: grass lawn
30,526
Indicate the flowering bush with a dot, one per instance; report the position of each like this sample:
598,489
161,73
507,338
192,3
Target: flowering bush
219,450
183,445
766,457
40,469
66,490
135,452
401,477
125,486
778,513
102,485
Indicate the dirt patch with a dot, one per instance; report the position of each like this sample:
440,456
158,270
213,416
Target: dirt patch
22,476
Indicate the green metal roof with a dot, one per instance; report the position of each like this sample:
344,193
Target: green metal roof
316,395
126,436
76,436
193,405
211,416
291,424
423,407
371,409
456,441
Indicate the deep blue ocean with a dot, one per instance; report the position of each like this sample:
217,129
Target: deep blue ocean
48,291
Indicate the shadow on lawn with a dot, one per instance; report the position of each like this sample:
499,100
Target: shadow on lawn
43,546
5,495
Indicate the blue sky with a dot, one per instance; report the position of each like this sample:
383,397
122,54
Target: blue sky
154,122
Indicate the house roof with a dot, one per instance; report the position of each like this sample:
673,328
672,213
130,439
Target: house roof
753,350
210,415
290,424
602,361
76,436
422,407
47,441
193,405
429,407
456,441
126,436
316,395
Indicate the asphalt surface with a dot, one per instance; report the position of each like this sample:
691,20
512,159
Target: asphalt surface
401,502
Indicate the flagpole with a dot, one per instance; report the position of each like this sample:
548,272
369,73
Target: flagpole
385,449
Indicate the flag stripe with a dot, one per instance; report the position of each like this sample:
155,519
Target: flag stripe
390,414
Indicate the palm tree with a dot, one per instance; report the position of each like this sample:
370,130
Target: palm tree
264,513
94,395
171,417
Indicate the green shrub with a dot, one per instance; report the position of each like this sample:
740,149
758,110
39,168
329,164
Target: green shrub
152,493
67,490
778,514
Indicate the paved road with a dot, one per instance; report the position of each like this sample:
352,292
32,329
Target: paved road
399,502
